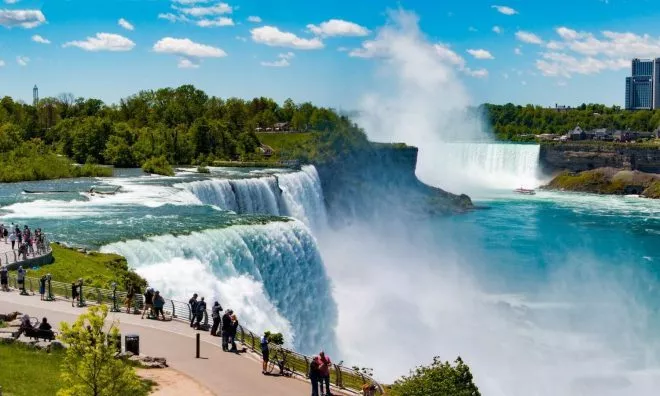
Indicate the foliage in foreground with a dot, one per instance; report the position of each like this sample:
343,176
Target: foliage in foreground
96,269
26,371
89,366
35,161
158,165
438,379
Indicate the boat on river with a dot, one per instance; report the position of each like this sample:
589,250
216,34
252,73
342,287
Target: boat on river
525,191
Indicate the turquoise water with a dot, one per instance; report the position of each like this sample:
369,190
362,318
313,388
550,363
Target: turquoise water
553,294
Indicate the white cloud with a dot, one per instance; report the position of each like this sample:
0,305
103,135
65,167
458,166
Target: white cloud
11,1
479,73
579,52
191,2
22,60
38,39
480,54
216,9
254,19
338,27
26,19
103,42
528,37
497,29
217,22
517,51
2,63
274,37
172,18
241,38
505,10
125,24
188,48
282,60
185,63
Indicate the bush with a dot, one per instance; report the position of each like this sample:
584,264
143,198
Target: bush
158,165
438,379
203,169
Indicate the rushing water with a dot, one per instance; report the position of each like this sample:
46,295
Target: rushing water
553,294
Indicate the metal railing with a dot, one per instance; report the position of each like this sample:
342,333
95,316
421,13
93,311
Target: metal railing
340,376
12,256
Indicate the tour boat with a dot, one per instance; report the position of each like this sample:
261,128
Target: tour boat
524,191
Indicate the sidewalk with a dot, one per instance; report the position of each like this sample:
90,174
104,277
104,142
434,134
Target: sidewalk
225,374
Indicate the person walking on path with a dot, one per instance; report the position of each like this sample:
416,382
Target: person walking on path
192,303
148,302
226,329
215,314
265,352
200,308
315,375
130,295
74,293
324,373
158,304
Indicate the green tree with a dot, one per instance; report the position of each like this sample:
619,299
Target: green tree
438,379
89,366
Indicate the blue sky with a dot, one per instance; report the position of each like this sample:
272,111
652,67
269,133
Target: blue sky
519,51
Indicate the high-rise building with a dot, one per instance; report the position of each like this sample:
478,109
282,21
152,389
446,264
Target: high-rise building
35,95
643,87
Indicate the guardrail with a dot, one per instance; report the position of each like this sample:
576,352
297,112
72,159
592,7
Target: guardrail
340,376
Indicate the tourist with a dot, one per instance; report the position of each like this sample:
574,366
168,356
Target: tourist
215,314
226,329
2,231
148,302
232,333
192,303
315,374
44,325
4,278
200,308
5,234
158,304
42,287
19,235
25,325
265,352
21,279
324,373
74,293
12,239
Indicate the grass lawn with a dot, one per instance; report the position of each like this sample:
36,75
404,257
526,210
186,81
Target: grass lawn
97,269
26,371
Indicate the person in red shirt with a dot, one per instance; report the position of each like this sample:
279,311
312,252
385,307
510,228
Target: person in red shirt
324,370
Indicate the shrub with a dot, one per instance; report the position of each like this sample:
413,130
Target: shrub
158,165
438,379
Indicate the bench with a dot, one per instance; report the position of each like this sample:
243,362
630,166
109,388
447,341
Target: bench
40,334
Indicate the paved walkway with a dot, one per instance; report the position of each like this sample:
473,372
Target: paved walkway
225,374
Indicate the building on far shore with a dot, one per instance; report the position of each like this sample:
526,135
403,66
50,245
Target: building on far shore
643,86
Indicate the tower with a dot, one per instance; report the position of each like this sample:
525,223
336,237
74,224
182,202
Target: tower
35,95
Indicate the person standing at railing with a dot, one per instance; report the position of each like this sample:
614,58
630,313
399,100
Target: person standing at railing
158,304
265,352
74,293
226,329
4,278
215,314
130,295
192,303
324,373
5,234
232,333
315,375
20,278
148,302
42,287
200,308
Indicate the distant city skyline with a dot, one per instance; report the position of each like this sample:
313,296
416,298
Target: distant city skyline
515,51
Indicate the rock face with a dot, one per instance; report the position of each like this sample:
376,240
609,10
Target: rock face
578,157
608,181
381,180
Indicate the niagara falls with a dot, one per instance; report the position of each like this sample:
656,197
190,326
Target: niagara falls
397,220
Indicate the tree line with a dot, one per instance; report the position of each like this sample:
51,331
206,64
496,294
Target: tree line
512,122
184,125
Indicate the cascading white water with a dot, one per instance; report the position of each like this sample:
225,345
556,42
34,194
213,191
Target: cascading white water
476,166
271,275
296,194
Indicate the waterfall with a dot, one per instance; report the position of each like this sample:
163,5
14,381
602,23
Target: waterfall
271,275
297,194
470,166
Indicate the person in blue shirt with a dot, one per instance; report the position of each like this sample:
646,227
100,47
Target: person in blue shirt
265,351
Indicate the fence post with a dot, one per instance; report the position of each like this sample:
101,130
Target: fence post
340,377
306,367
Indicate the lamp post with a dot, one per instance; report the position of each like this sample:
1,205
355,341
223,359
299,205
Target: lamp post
114,308
81,298
50,296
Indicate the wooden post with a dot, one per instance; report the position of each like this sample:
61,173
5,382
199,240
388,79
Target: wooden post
197,344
